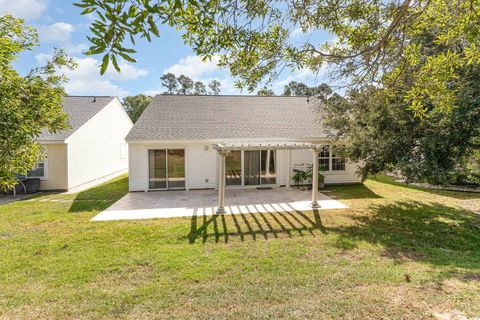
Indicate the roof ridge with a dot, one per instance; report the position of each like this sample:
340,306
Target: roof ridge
88,96
228,95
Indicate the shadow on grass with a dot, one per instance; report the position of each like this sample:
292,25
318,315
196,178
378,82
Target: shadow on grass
433,233
259,225
352,191
454,194
100,197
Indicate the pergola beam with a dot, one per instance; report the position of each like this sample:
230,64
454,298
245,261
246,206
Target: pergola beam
265,146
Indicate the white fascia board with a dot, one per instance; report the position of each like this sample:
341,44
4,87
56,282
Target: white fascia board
213,141
52,141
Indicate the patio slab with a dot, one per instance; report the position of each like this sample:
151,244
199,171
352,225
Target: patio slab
169,204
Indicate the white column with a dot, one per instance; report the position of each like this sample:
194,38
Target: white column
289,176
221,183
314,203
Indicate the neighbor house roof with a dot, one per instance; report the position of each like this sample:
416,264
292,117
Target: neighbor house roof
215,117
79,110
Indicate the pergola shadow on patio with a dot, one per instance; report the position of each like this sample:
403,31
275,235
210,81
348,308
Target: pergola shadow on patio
181,203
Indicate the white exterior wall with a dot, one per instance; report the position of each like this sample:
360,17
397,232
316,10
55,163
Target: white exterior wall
201,163
301,157
94,150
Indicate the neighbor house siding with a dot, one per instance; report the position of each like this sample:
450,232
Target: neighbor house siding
94,150
56,167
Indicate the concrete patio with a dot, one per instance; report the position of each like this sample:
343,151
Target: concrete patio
168,204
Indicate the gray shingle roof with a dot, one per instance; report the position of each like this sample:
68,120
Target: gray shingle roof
79,110
191,117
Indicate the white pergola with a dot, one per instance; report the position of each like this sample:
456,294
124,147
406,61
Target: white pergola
224,149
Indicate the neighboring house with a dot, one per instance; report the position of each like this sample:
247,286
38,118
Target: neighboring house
91,151
174,144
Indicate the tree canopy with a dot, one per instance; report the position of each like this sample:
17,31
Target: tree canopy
265,91
135,105
28,104
185,85
372,38
382,133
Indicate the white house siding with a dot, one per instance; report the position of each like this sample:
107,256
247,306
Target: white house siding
305,157
201,163
94,150
201,166
56,167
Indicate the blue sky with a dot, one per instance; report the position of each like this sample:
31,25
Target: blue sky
60,25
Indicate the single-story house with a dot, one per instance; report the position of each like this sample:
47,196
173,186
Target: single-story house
91,151
185,141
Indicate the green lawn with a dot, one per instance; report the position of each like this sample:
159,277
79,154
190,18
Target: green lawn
397,253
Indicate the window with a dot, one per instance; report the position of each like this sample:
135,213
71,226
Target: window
338,158
324,159
39,170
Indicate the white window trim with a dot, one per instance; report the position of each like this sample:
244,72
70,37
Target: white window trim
331,160
45,170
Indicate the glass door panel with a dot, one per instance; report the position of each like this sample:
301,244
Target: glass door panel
233,168
157,169
176,168
267,174
251,167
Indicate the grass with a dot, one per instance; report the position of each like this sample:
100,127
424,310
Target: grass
398,253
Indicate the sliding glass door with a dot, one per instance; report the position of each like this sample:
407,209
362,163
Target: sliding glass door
267,166
166,169
157,169
257,168
251,167
233,168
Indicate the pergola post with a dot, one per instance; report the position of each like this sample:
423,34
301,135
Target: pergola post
314,203
221,182
289,167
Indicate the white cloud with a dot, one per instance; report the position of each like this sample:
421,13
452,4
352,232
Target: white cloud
86,78
297,32
194,67
57,32
25,9
73,49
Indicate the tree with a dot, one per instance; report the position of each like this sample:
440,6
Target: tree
373,39
199,88
169,81
214,86
383,134
301,89
265,92
135,105
294,88
185,85
28,104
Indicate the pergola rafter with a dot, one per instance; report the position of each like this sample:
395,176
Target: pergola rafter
224,149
